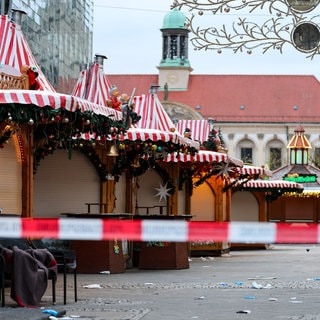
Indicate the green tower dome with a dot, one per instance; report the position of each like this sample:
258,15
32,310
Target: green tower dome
174,19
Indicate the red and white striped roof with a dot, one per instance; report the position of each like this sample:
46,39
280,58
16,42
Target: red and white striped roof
93,85
155,124
252,170
199,129
203,156
134,134
15,51
153,113
55,100
272,184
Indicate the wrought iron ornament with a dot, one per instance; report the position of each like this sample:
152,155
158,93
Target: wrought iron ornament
287,22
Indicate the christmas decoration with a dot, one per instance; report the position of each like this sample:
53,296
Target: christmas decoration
291,23
158,244
116,248
58,128
32,74
114,101
163,192
127,105
135,157
215,141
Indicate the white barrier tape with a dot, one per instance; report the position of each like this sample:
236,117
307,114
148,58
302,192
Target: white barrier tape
252,232
10,227
156,230
84,229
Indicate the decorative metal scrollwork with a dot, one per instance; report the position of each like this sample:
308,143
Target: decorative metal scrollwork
288,22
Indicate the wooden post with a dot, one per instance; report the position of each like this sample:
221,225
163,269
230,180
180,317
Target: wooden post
27,173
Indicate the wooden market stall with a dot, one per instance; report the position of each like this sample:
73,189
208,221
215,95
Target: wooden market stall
303,206
36,123
207,176
137,155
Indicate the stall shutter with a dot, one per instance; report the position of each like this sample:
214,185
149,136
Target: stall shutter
10,179
63,183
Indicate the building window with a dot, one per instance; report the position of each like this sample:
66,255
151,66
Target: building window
275,155
275,158
246,155
317,157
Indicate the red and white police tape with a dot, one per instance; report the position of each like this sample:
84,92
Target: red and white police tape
158,230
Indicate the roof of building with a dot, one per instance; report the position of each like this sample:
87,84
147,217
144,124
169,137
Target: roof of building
239,98
92,85
299,140
15,51
298,170
174,19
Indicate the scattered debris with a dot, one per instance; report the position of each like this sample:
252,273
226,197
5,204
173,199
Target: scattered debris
223,284
93,286
294,300
244,311
256,285
262,278
149,284
314,279
105,272
54,312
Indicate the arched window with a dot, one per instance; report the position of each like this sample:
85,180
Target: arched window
245,151
275,153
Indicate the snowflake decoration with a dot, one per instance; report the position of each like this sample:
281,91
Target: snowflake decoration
163,192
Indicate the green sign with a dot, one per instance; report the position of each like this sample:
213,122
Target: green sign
302,178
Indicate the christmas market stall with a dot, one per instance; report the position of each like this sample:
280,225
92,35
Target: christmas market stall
208,174
53,146
252,201
136,170
57,123
303,168
152,191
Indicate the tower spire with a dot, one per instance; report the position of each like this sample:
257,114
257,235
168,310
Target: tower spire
174,68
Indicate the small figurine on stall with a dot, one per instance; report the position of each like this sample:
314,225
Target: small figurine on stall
187,133
32,73
130,116
114,101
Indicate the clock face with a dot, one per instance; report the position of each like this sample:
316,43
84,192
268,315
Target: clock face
172,77
306,36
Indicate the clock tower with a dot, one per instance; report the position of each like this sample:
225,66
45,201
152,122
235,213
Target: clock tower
174,68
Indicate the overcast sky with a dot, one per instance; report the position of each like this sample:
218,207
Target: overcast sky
128,33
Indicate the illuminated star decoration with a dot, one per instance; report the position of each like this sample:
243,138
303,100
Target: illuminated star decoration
163,192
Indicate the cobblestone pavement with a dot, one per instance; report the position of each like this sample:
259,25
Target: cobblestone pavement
281,282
